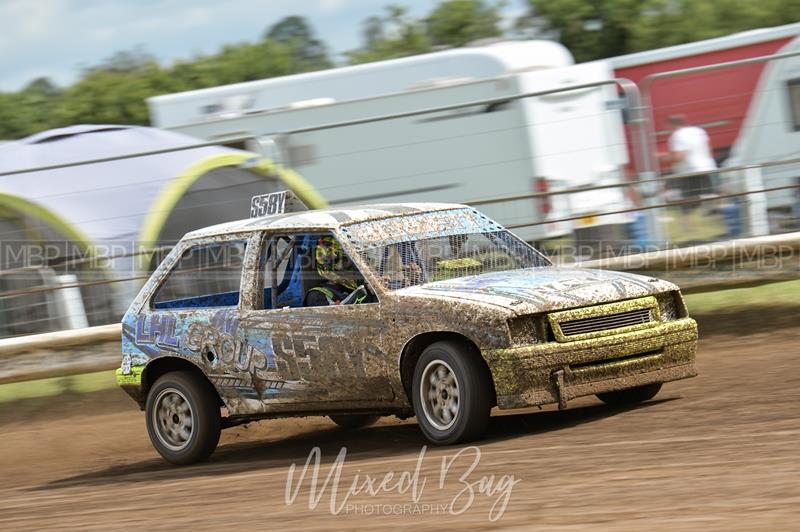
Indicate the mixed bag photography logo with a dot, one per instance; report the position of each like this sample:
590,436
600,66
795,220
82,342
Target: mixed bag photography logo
451,485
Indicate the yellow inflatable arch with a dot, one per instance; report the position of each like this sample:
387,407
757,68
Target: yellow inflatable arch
169,196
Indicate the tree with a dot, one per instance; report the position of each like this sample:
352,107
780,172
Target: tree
606,28
391,36
37,103
125,61
116,90
590,30
667,22
459,22
110,96
308,52
249,62
13,117
29,110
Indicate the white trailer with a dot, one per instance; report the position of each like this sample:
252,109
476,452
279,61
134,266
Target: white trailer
771,132
551,142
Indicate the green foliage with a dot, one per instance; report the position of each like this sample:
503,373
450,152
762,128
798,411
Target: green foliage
29,110
115,91
590,30
605,28
391,36
667,22
308,52
109,96
451,23
459,22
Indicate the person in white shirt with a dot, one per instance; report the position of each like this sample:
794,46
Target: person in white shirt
690,151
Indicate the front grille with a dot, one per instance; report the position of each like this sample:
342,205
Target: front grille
604,323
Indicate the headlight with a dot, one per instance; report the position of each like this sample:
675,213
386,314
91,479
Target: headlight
527,330
671,305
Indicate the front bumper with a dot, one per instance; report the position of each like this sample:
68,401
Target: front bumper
555,372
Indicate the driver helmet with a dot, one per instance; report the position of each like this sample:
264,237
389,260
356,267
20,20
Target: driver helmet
333,264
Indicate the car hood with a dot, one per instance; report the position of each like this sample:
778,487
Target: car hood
534,290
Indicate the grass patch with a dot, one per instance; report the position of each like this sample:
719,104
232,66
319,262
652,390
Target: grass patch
89,382
786,293
697,225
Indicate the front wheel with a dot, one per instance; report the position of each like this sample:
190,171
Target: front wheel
183,418
452,393
631,396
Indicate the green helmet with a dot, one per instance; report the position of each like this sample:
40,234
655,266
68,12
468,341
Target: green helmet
332,263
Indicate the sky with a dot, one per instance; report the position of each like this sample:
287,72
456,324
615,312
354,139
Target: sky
57,38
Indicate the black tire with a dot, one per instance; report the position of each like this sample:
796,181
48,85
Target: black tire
631,396
473,397
174,398
354,421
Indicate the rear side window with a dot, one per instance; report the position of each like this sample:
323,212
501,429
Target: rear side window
205,276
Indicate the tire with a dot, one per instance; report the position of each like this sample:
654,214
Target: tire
457,406
631,396
183,417
353,421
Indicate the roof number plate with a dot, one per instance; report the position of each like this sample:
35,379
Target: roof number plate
275,203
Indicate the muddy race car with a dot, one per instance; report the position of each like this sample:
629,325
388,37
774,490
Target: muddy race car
431,310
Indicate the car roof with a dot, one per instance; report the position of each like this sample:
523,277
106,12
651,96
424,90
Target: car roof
323,218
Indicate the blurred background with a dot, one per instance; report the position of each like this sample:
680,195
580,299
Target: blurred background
598,131
651,136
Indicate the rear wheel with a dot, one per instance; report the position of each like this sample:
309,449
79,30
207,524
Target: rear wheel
452,393
631,396
183,417
353,421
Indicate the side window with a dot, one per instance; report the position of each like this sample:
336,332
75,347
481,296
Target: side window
282,247
794,102
297,271
205,276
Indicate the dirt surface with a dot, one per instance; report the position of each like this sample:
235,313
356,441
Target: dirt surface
716,452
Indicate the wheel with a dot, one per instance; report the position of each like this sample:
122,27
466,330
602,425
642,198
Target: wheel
452,393
183,418
630,396
353,421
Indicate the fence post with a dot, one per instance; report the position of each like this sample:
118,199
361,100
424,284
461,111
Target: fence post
756,203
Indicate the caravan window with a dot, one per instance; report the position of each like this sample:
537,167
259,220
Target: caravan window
794,102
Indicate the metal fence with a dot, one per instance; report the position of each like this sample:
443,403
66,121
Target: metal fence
732,203
700,268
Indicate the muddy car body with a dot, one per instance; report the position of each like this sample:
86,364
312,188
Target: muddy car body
458,316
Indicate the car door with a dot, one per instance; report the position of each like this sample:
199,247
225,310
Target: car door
310,354
194,310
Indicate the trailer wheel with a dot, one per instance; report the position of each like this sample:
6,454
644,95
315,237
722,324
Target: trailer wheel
452,393
183,417
630,396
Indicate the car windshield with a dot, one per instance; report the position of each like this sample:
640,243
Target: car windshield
440,258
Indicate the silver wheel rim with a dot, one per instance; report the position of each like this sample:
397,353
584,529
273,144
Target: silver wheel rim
439,394
173,419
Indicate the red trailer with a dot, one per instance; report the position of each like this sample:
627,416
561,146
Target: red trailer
717,100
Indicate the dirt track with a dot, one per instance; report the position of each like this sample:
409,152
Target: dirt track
718,452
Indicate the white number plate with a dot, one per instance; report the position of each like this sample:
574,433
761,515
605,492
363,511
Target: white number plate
267,204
